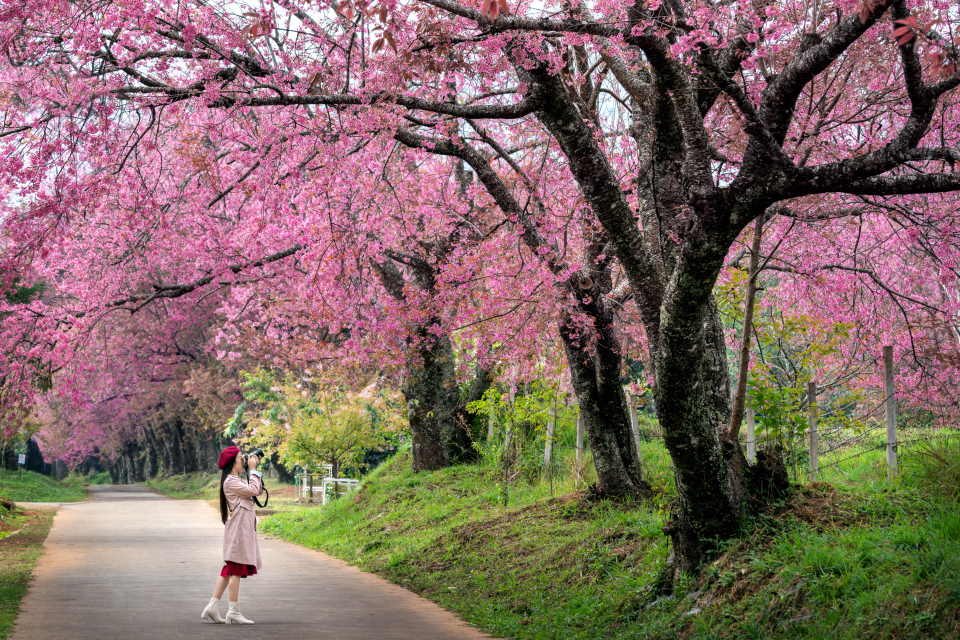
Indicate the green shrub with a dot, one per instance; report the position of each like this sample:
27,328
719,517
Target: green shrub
100,478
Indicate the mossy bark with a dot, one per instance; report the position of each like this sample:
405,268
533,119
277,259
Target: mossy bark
438,419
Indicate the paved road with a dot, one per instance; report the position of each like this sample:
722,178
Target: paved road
130,564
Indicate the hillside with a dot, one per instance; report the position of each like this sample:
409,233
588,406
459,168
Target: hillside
873,560
28,486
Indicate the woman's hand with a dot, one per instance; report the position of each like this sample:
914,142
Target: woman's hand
252,462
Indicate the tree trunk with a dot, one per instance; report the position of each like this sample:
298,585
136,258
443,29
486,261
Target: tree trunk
176,450
138,458
183,448
595,371
59,470
282,473
437,418
8,458
692,403
715,486
740,395
151,463
34,456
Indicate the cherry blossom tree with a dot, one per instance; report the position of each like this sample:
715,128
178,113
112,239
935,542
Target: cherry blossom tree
657,131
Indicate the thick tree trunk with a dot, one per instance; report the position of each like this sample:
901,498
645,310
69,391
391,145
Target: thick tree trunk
715,486
437,418
59,470
595,370
152,463
138,457
692,404
165,451
34,457
9,458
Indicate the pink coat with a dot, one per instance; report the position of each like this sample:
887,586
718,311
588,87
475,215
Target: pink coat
240,532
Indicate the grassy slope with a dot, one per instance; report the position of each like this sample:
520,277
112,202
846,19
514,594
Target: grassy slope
878,561
18,555
198,485
27,486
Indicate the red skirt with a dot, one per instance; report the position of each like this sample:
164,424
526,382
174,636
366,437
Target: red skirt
236,569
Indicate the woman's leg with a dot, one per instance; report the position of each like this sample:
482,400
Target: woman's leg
210,613
219,587
233,594
233,613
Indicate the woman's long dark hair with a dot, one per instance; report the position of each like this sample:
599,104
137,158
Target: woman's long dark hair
223,497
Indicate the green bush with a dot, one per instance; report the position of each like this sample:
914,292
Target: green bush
100,478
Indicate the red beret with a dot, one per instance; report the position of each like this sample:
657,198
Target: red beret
227,456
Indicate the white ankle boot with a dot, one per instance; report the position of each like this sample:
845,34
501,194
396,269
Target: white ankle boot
211,613
235,617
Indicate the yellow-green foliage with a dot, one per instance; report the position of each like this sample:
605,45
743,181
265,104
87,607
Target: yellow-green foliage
308,422
533,407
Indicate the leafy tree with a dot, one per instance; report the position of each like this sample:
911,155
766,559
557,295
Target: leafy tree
308,423
610,153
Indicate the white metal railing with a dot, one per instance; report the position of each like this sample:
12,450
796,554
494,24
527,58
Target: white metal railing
333,488
309,485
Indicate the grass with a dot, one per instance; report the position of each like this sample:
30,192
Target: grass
29,486
858,559
20,549
102,477
199,485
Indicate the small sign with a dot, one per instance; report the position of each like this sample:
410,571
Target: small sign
21,458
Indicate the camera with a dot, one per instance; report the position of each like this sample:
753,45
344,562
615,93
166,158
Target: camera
246,465
256,452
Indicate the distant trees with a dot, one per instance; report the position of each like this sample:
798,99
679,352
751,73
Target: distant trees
308,422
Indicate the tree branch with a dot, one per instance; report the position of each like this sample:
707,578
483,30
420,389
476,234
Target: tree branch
177,290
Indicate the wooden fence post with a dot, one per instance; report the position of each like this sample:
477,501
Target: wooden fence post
891,403
814,436
751,436
551,427
634,422
508,436
579,456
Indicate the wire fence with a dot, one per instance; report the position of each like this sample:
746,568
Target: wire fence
849,443
899,446
852,432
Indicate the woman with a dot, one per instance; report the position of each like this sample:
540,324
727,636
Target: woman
241,553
